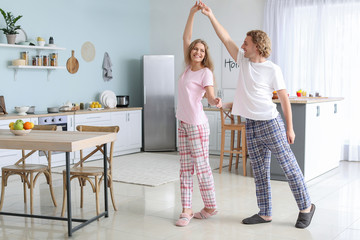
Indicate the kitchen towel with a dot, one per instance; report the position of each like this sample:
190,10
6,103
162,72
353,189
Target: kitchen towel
107,71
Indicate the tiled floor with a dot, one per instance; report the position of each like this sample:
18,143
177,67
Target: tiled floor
150,212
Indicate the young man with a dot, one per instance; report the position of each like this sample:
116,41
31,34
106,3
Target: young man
265,131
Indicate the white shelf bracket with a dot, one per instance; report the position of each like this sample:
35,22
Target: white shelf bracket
15,74
48,75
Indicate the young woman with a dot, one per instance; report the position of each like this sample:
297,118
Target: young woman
196,82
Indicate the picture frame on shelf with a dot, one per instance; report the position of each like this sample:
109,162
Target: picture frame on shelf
2,105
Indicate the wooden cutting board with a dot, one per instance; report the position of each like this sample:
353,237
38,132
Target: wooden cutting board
72,64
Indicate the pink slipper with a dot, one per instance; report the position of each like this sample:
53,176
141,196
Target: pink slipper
204,214
184,219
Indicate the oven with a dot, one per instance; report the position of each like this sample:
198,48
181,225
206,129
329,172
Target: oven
62,123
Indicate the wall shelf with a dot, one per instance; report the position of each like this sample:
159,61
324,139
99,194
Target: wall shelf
36,67
48,68
31,47
38,49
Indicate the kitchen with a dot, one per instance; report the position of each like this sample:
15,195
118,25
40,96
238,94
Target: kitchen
121,29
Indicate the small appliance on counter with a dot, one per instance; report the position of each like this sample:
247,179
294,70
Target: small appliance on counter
122,101
53,109
31,110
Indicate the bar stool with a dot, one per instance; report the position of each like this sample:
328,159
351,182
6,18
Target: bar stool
235,127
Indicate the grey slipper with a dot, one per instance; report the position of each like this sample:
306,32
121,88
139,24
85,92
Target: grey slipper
255,219
304,219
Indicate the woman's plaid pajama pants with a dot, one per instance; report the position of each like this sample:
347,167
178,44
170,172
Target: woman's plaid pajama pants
194,155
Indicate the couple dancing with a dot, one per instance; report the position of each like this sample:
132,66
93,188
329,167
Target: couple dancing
265,129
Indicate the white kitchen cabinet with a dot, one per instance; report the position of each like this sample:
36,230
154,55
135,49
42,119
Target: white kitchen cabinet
215,133
129,139
317,146
213,118
322,141
92,119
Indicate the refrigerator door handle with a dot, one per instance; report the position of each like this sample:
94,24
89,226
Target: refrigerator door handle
144,94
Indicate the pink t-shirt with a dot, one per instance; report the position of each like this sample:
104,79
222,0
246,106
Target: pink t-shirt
191,89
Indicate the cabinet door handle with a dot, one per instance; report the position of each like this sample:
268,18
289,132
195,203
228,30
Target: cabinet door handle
335,108
92,117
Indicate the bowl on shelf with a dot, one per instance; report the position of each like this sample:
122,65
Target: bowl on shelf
19,62
41,43
20,132
22,110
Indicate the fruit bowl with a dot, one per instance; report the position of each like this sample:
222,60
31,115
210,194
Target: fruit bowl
20,132
22,110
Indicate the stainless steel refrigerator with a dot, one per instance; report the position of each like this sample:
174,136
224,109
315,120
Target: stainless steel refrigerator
159,103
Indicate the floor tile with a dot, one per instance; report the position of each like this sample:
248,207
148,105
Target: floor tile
150,213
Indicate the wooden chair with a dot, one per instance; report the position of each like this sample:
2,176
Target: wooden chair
86,173
26,171
235,126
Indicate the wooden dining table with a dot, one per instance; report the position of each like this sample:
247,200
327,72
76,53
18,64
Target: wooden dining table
63,141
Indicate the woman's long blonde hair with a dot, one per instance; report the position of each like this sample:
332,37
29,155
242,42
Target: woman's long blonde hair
206,62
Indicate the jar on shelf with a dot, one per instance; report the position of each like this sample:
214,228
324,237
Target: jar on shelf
39,60
53,59
45,60
34,61
52,62
25,56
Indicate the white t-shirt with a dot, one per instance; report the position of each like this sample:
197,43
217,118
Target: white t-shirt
256,83
191,89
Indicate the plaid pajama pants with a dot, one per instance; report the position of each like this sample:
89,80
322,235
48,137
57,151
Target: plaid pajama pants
264,138
194,154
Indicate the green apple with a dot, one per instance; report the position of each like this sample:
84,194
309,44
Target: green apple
19,120
18,125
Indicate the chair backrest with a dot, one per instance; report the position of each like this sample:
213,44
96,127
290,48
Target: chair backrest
45,127
226,114
47,154
85,128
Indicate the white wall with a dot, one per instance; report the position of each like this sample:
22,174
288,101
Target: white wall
168,18
125,29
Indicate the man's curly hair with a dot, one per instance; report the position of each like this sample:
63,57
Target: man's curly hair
262,42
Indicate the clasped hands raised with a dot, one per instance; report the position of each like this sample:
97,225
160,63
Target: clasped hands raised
201,6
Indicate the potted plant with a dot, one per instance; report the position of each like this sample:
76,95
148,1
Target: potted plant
10,30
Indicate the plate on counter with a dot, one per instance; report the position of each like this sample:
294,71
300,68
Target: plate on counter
95,109
107,97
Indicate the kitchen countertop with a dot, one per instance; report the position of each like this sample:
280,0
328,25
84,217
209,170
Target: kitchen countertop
307,100
45,114
296,100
